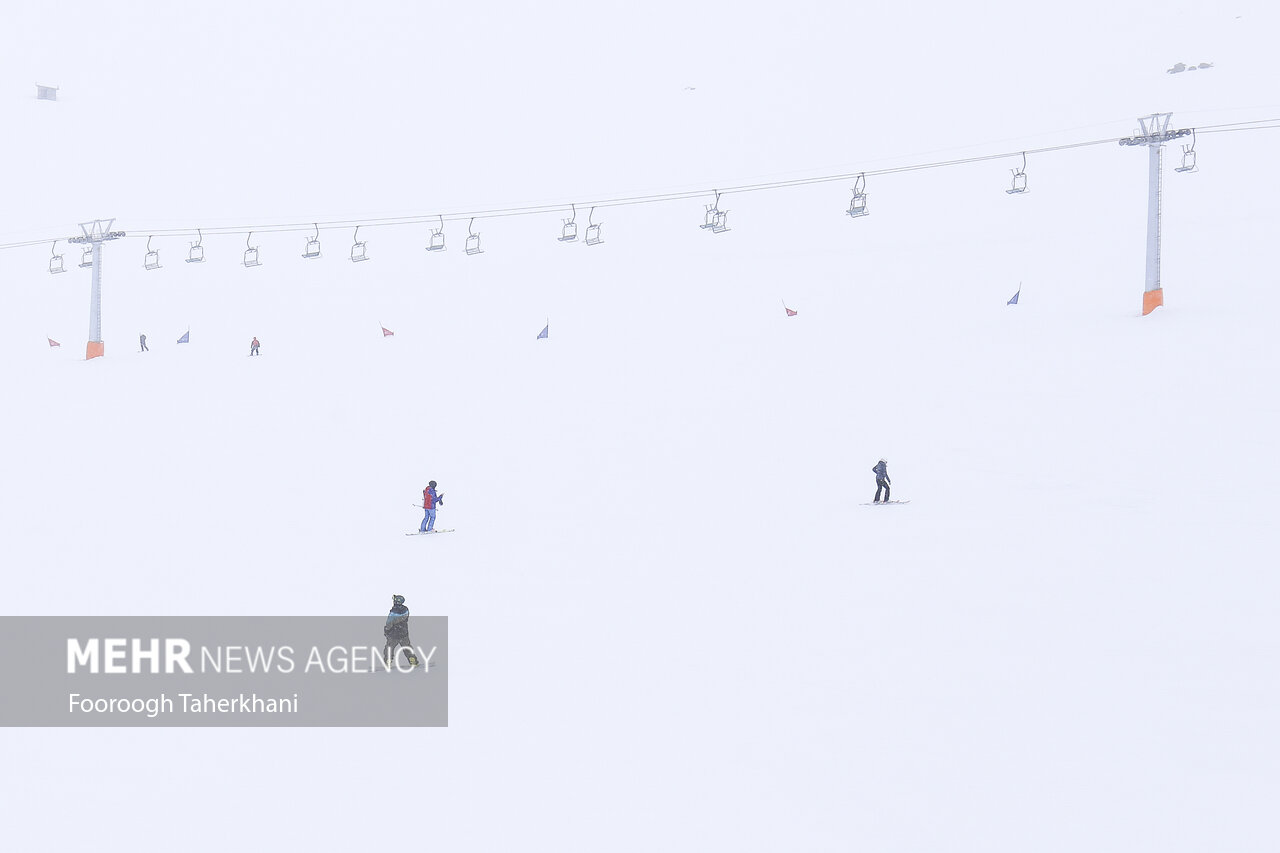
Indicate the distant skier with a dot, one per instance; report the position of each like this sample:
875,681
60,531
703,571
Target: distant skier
253,347
430,501
142,342
881,470
397,632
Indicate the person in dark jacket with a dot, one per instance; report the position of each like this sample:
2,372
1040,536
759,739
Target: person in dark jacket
881,470
430,500
142,342
253,346
397,632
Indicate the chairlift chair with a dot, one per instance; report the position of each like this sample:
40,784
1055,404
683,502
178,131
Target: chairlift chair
195,255
152,260
593,230
858,204
569,233
1188,155
251,253
473,240
437,238
1019,183
55,262
313,244
716,220
358,250
86,258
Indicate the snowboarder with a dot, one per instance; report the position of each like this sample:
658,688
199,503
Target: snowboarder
142,341
881,470
397,632
253,347
430,500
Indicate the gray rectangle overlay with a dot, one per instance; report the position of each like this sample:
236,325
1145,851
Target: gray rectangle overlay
220,671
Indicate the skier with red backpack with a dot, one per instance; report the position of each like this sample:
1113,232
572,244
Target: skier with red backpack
430,501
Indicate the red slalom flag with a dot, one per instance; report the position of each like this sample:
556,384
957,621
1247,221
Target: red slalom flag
790,313
386,333
54,343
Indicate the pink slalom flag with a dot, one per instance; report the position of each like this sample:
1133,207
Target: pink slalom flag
54,343
386,333
790,313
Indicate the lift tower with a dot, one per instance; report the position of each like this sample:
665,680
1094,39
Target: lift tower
1155,133
95,234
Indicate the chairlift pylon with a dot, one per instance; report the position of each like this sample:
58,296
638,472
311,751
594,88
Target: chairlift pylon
569,232
251,253
195,255
593,230
55,263
473,240
358,250
152,260
1019,184
313,243
437,237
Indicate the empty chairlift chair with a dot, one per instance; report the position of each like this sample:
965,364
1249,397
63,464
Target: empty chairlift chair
86,258
251,253
716,220
1019,184
1188,156
436,244
195,255
473,240
858,204
569,232
55,263
152,260
313,244
593,230
358,250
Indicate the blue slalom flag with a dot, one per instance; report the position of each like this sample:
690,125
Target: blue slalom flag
186,337
545,331
1014,300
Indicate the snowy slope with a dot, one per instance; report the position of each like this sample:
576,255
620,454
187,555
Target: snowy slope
673,626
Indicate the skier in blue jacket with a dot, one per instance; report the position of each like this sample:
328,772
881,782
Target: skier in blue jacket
431,500
397,632
881,470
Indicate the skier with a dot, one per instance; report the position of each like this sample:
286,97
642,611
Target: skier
881,470
397,632
142,341
430,500
253,347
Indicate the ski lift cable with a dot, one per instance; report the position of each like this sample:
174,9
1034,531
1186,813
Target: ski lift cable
655,198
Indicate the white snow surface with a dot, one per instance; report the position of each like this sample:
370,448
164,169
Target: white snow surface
673,625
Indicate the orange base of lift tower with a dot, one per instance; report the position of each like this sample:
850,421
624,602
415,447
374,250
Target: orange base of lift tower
93,350
1151,300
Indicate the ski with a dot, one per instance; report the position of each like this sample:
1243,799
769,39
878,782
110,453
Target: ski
429,532
403,668
884,503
